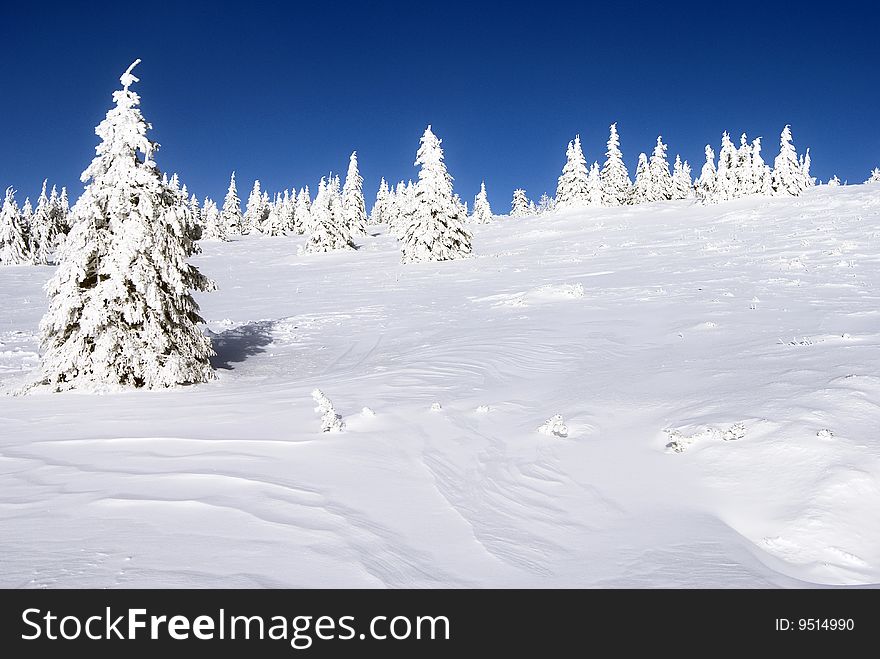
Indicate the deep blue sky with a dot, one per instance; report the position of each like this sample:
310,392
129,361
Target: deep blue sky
285,91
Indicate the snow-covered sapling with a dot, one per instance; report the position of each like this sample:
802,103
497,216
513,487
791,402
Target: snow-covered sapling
330,420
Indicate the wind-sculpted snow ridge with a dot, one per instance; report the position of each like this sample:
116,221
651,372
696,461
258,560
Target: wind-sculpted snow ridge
628,321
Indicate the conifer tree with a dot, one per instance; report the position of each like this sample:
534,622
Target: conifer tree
13,236
434,227
27,224
353,205
255,212
594,185
726,178
379,214
121,312
573,185
682,185
642,188
547,204
809,181
745,177
482,211
274,222
302,211
231,216
762,175
658,168
328,230
834,181
874,176
788,175
43,230
288,211
214,228
707,183
519,206
616,186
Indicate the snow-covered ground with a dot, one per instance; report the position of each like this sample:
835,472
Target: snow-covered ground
746,336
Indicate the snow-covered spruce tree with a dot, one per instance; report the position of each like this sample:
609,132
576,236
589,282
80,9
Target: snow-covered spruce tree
658,168
616,186
641,189
726,178
302,211
482,211
402,201
546,204
834,181
682,186
762,175
213,228
354,208
272,225
231,216
594,185
379,213
809,181
13,236
519,205
328,230
462,206
573,185
706,184
256,211
198,218
874,176
27,225
43,230
58,215
745,177
788,176
434,227
121,313
288,211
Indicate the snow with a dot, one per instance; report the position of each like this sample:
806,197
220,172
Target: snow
637,326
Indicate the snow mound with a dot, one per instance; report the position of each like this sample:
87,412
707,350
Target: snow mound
554,426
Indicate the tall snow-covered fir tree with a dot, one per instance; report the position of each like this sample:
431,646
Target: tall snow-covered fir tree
762,175
520,205
594,185
682,186
809,181
27,224
726,176
642,188
616,186
13,234
231,216
745,177
379,214
658,168
213,226
256,212
273,225
788,175
354,207
58,212
434,227
288,211
547,204
121,312
707,182
302,211
44,231
328,229
573,186
482,213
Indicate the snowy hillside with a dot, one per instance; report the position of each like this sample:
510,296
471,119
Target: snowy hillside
746,336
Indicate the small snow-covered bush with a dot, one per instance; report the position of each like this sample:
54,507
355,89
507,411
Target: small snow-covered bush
554,426
330,420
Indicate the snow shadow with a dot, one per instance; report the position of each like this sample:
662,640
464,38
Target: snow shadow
237,344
